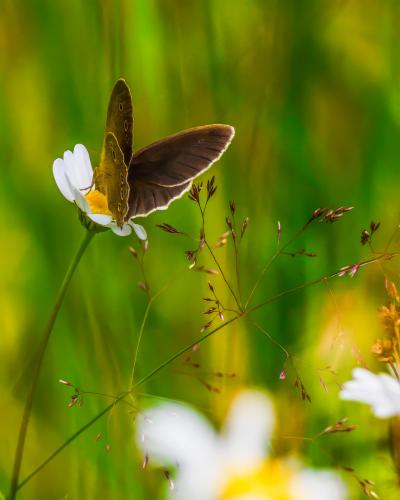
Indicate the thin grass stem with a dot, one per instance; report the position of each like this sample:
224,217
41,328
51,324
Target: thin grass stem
39,361
275,255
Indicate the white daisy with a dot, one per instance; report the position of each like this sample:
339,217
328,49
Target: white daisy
74,177
233,465
381,392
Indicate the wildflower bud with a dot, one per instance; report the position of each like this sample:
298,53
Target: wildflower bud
73,401
194,193
190,254
317,214
211,271
354,270
211,188
133,252
65,382
333,215
365,237
168,228
244,226
343,270
206,327
328,215
282,375
374,226
221,242
169,479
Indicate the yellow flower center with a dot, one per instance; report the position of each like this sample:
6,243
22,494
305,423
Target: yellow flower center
269,481
97,202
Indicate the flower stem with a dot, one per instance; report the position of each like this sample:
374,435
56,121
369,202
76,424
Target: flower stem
38,364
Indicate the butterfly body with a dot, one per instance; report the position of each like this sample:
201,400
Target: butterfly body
136,184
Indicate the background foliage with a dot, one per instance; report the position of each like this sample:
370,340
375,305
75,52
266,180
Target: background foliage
312,89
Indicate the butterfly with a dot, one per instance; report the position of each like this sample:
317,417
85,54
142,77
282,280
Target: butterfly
137,184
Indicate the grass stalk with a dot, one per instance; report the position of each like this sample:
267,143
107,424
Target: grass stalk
19,453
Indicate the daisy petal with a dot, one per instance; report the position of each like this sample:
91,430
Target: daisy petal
83,167
70,170
248,429
139,230
103,220
125,230
61,179
172,433
381,392
314,485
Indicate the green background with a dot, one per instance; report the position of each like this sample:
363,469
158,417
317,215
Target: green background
312,89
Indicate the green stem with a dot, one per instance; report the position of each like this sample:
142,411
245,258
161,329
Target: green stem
277,253
223,275
146,313
38,365
188,348
203,211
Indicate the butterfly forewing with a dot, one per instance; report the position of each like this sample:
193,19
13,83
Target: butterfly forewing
111,178
164,170
120,118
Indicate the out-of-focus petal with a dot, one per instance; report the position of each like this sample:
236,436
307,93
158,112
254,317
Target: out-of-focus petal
174,434
139,230
61,179
381,392
83,167
248,429
317,485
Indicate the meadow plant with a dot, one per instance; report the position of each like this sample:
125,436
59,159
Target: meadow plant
218,313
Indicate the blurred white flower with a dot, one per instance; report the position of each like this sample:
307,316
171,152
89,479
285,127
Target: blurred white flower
381,392
233,465
74,177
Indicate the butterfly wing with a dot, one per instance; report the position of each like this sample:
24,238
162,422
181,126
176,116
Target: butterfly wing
120,118
163,171
111,178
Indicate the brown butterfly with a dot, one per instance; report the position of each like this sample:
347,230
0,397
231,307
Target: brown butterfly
136,184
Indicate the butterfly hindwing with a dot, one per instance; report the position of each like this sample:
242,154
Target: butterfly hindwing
145,198
120,118
111,178
164,170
